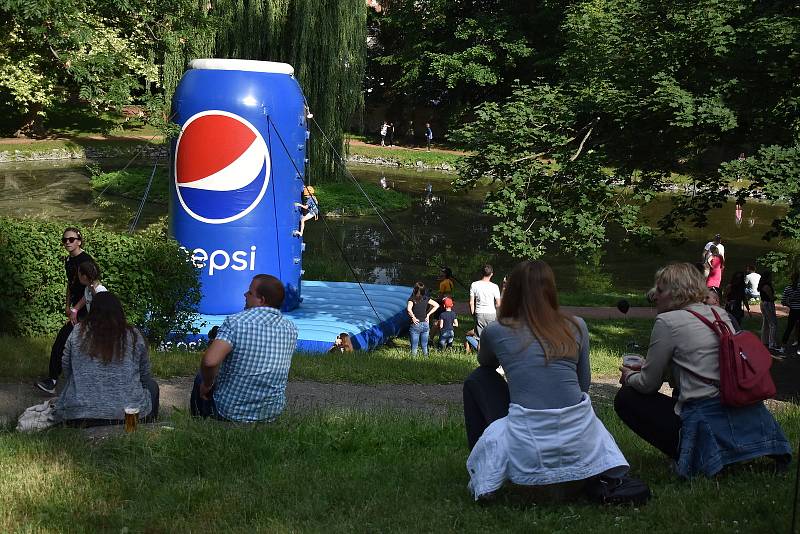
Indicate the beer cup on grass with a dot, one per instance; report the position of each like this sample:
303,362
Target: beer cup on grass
131,419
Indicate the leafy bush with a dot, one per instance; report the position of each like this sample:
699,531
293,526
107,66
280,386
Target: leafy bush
150,273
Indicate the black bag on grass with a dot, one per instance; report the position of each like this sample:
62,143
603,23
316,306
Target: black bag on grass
624,490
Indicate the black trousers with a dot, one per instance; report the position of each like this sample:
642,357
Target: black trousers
57,351
794,320
486,400
652,417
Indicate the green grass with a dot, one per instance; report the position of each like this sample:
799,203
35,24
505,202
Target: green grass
347,199
132,182
342,471
27,358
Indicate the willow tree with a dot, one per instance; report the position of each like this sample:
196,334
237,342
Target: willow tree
325,41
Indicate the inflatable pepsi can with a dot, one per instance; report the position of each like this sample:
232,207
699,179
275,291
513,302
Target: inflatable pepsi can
237,170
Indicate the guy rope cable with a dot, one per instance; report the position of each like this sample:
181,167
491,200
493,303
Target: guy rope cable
135,220
341,251
383,217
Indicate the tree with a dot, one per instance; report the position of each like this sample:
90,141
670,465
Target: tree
96,54
548,191
325,41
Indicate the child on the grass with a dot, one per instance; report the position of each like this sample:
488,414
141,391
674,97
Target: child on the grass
447,321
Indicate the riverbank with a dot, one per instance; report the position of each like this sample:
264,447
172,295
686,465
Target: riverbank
153,148
346,199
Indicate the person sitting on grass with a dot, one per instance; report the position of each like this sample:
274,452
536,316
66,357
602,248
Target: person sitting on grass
106,369
89,276
471,341
447,321
342,344
539,428
311,208
243,372
692,427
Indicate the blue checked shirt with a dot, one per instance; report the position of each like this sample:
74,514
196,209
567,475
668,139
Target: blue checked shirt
251,384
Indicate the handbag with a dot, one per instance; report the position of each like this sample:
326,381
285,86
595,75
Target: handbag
39,417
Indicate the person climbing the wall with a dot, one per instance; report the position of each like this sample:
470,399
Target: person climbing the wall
311,208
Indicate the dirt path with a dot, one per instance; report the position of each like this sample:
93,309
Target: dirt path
302,396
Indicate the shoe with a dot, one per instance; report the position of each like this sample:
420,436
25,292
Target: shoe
778,356
48,385
297,233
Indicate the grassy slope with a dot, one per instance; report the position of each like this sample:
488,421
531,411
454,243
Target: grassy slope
22,358
338,471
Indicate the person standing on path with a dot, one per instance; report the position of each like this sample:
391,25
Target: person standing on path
484,299
384,131
419,308
72,240
716,242
769,321
244,371
716,264
791,299
428,136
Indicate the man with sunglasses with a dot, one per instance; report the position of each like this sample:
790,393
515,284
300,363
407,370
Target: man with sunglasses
72,240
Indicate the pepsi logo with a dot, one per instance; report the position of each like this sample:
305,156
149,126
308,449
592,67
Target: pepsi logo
222,167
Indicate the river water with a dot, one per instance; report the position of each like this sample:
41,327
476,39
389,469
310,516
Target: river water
443,228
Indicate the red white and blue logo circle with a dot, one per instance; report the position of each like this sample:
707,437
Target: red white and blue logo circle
221,167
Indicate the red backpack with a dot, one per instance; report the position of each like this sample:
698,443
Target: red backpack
744,364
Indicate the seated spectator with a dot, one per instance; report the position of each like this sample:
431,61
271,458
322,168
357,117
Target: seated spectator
712,299
447,322
539,428
471,341
243,372
106,369
692,427
342,344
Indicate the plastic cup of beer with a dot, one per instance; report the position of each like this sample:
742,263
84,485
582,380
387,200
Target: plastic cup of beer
632,361
131,419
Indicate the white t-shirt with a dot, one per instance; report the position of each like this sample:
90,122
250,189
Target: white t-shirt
88,295
751,281
485,294
720,248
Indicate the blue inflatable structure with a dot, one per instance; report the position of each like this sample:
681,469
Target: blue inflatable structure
238,169
330,308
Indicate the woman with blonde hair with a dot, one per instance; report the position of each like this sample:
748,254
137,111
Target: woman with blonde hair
545,356
692,426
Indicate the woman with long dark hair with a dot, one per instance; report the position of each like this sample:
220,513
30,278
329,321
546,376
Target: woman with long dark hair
419,308
106,369
545,356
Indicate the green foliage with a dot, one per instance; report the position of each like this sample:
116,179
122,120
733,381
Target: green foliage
132,183
151,274
403,157
325,42
547,192
99,55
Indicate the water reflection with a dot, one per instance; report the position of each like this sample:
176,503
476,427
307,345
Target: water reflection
440,228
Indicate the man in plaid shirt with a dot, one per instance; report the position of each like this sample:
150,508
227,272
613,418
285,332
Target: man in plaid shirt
243,372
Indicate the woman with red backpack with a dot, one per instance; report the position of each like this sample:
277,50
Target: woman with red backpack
693,426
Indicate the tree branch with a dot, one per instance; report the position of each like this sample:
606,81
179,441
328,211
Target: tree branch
585,137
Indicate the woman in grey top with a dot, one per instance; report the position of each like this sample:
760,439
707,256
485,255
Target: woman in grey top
544,353
106,369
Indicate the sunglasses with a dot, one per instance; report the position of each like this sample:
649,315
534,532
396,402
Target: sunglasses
65,240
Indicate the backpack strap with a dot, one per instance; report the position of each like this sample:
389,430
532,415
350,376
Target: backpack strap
717,330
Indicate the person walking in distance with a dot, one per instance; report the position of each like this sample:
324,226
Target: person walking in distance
428,136
72,240
791,299
484,299
384,131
